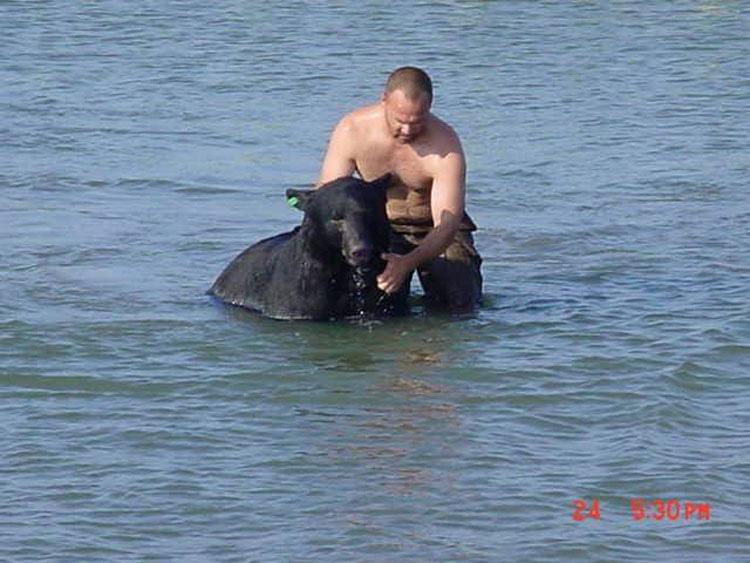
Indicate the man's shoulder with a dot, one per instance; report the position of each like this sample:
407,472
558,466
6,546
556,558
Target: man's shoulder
359,124
444,135
361,116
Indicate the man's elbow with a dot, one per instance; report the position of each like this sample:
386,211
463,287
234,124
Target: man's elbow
448,221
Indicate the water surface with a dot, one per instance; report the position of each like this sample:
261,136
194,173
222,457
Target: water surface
144,144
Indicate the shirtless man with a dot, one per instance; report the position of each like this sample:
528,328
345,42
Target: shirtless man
431,233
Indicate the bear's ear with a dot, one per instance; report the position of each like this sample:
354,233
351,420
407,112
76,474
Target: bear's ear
299,199
381,183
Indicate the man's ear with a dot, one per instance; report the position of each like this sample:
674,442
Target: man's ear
299,199
381,183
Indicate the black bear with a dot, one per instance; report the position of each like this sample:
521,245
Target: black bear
326,267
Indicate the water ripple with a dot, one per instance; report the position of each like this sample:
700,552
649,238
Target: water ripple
144,145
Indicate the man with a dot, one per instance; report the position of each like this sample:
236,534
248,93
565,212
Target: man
425,203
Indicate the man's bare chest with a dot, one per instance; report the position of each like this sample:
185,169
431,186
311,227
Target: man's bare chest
405,162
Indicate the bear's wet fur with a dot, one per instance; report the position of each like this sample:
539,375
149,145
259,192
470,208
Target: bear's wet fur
326,267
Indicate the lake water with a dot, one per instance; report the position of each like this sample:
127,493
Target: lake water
143,144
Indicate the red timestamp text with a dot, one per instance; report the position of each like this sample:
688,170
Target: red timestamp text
641,509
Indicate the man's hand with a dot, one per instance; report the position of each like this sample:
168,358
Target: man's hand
396,271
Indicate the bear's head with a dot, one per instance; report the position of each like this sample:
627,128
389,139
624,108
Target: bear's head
346,218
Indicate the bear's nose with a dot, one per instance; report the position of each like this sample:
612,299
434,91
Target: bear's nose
361,255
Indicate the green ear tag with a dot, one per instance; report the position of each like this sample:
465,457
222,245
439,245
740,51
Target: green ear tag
293,201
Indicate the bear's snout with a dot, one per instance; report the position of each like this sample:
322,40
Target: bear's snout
360,256
357,246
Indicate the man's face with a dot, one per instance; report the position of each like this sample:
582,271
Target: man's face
405,118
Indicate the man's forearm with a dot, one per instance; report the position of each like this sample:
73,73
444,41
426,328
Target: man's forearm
433,245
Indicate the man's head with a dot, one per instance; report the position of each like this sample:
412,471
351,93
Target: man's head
407,100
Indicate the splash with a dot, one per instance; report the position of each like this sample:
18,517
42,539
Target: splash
368,299
360,294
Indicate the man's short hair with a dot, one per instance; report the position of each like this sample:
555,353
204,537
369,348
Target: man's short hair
412,81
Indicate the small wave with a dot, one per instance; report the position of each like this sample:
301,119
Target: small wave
207,190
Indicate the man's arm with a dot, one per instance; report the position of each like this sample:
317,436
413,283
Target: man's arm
339,160
447,205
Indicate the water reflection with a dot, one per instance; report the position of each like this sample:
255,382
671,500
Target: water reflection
374,401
